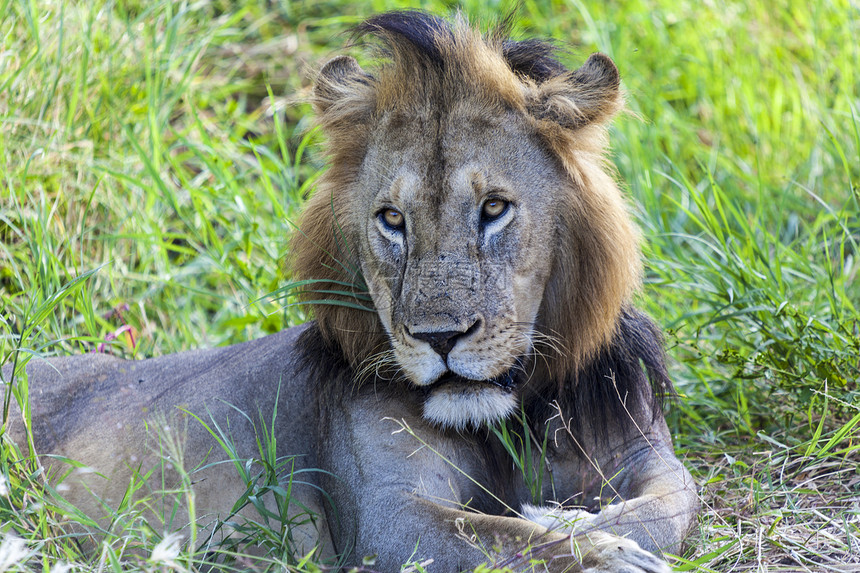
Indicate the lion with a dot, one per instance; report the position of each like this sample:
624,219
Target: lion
471,264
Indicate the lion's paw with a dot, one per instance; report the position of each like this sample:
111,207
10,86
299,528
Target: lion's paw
558,519
620,555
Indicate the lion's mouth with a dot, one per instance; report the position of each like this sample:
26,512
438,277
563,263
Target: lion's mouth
507,382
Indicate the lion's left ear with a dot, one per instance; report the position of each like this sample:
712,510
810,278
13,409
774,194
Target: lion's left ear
587,95
343,93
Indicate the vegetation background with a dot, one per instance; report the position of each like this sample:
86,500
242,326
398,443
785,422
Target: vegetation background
153,154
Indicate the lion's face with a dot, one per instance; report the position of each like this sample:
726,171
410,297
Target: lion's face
467,187
457,227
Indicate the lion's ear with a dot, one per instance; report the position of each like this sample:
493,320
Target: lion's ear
587,95
342,89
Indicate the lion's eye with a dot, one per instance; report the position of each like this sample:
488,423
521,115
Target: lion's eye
392,218
493,209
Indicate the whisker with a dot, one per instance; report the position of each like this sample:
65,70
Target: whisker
374,365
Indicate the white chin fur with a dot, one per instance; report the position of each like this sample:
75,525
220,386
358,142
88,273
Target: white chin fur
460,406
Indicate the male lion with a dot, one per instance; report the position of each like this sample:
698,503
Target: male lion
468,191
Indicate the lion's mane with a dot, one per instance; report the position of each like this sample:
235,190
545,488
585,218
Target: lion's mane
425,61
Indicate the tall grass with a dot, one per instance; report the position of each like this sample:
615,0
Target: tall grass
152,155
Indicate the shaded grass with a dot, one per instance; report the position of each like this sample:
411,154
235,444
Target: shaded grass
153,153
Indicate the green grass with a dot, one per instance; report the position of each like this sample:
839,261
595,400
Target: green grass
152,155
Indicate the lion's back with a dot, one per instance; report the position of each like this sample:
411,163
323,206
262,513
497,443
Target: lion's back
86,406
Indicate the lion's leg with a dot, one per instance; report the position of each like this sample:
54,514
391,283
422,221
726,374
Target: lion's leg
512,542
657,518
400,489
446,539
652,497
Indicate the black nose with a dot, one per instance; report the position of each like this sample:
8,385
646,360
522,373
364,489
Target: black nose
440,342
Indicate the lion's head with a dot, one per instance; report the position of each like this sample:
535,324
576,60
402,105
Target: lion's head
468,190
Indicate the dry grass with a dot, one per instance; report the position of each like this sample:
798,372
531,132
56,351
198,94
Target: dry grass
771,508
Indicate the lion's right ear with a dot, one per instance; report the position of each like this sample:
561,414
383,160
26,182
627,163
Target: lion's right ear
343,91
590,94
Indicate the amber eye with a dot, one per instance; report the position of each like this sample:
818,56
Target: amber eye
392,218
493,209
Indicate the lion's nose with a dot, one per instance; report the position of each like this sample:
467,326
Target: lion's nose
440,342
443,341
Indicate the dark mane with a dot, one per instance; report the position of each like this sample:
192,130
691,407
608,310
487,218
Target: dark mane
625,376
533,59
319,358
422,30
428,34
